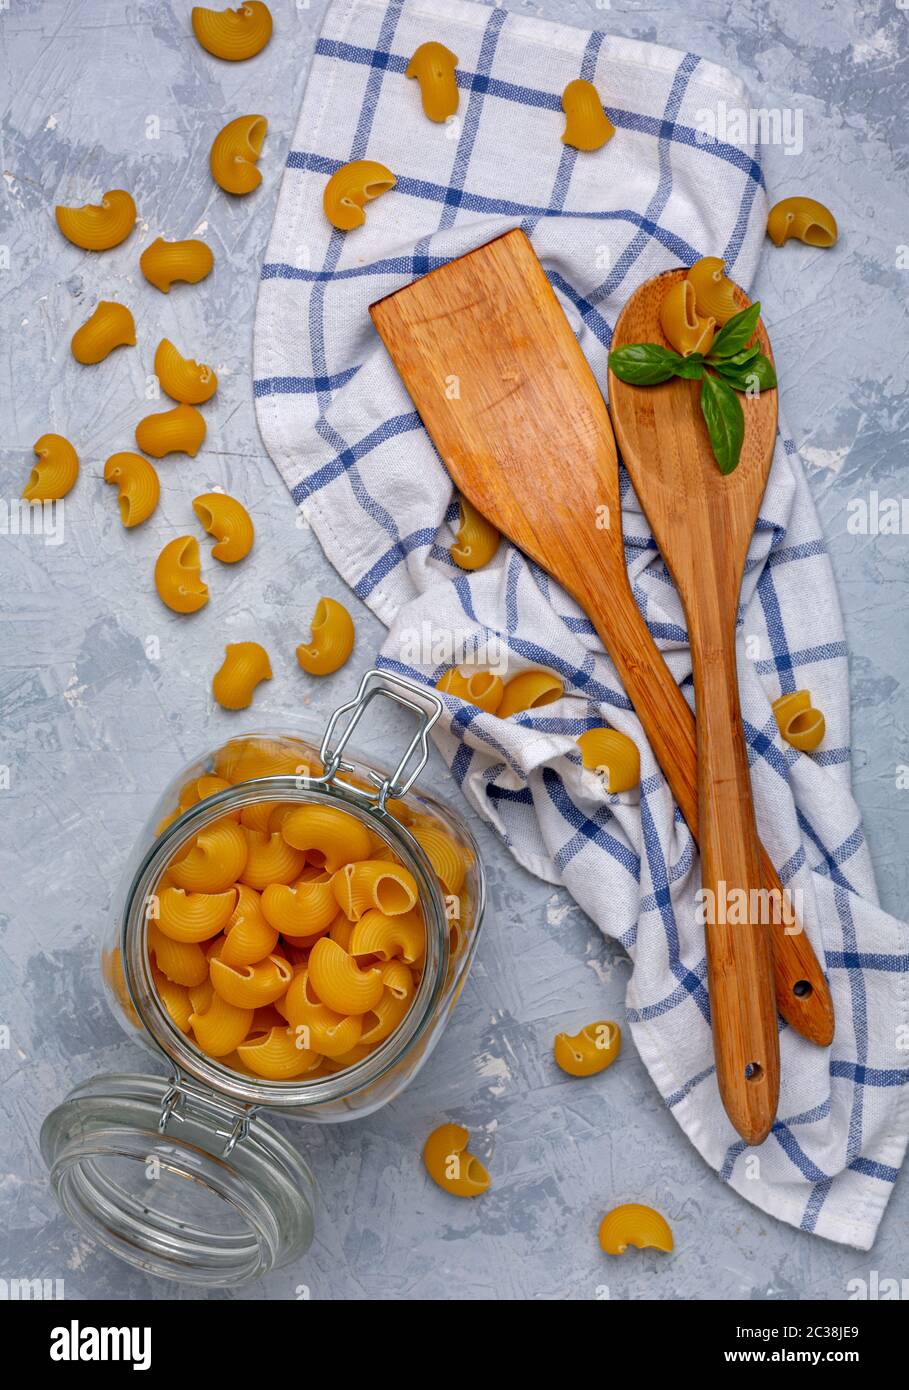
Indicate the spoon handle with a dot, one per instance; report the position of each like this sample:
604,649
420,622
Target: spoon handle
802,993
737,920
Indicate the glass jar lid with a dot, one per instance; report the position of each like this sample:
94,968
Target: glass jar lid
177,1181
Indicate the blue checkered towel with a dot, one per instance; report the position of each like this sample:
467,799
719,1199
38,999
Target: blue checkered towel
344,434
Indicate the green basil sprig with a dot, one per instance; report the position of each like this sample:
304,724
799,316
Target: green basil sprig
734,366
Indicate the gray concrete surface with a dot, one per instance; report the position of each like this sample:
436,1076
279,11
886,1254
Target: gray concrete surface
91,728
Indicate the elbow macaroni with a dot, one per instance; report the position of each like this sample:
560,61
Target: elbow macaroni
184,380
589,1052
177,576
233,34
374,883
530,690
685,330
332,639
339,981
177,431
477,540
330,838
433,65
634,1224
235,153
449,1164
350,187
714,292
138,488
99,226
164,263
110,326
803,218
229,522
56,471
245,666
587,127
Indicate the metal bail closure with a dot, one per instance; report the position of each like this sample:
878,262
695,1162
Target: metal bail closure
418,699
177,1181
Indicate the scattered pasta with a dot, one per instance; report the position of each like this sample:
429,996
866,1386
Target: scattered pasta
530,690
164,263
477,540
55,472
481,688
433,65
613,755
110,326
685,330
799,723
177,431
714,292
802,218
99,226
633,1224
350,187
233,34
184,380
229,522
137,485
245,666
591,1051
587,127
235,152
332,639
177,576
449,1164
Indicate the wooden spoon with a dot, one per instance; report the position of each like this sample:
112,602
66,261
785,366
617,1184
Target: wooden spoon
528,440
703,522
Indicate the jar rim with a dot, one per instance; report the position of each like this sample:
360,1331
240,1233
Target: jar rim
190,1060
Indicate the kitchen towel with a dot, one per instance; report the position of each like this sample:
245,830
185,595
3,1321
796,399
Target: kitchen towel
343,432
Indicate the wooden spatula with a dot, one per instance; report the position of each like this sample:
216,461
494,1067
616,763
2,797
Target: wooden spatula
528,440
703,522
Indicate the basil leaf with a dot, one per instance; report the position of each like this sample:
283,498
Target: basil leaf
744,356
691,368
643,364
758,373
725,419
735,334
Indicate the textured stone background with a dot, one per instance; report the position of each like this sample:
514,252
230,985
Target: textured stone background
91,728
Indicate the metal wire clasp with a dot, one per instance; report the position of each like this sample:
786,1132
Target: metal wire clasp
230,1123
424,703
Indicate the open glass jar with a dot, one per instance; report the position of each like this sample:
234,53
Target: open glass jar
180,1176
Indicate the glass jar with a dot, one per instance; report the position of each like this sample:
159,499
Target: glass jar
180,1176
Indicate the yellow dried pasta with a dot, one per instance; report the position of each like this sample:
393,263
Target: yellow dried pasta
799,723
276,1056
685,330
530,690
350,187
56,471
229,522
177,576
235,152
433,65
245,666
634,1224
329,837
270,859
612,754
110,326
303,910
590,1051
477,540
451,1166
377,934
803,218
332,639
587,127
165,263
338,981
184,380
374,883
177,431
714,292
480,688
220,1027
251,986
233,35
99,226
138,488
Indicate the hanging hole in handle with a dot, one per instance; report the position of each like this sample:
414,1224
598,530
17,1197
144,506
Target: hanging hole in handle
802,989
753,1071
